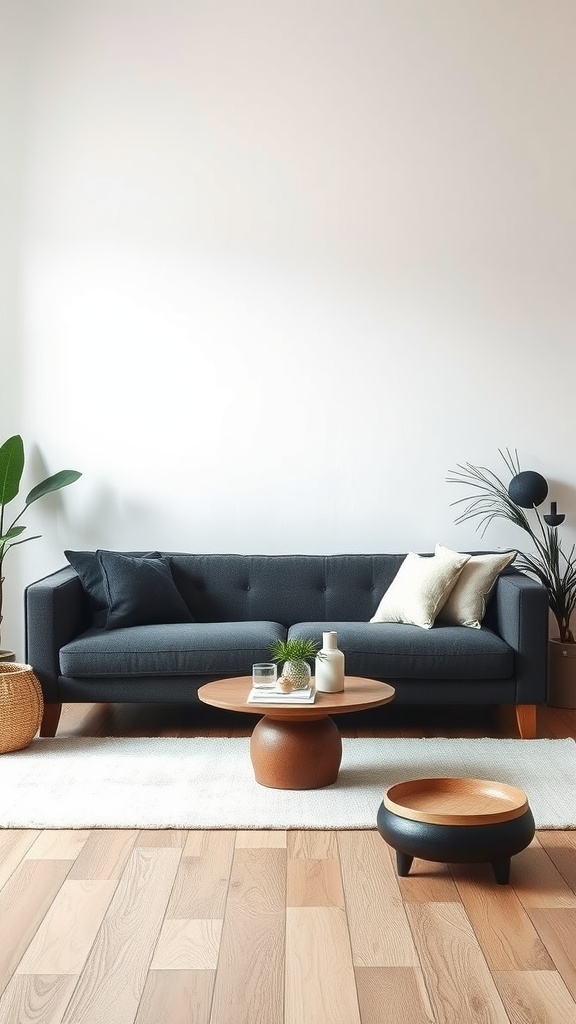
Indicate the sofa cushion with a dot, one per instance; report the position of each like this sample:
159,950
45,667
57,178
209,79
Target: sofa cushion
87,566
140,591
282,588
173,649
397,651
420,588
467,601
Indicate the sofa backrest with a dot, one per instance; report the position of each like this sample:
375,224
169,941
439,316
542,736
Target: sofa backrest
283,588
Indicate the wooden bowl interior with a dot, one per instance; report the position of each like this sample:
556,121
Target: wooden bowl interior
456,801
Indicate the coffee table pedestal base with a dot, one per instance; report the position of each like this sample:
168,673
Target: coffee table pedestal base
303,754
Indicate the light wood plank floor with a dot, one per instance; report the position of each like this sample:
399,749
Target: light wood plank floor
224,927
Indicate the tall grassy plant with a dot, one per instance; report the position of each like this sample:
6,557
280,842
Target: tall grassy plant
549,563
11,468
294,649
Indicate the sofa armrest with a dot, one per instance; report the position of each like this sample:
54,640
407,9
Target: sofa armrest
522,621
56,610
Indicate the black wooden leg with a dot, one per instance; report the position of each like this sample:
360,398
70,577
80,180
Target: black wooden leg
501,870
403,863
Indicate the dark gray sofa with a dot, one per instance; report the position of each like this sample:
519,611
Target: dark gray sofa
242,603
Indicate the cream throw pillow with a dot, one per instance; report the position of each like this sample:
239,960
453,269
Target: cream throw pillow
420,588
466,604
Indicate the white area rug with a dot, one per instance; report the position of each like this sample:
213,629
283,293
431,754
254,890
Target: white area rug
208,783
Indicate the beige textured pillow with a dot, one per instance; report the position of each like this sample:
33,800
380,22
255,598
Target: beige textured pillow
466,604
420,588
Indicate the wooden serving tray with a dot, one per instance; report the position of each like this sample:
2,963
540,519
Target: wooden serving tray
456,801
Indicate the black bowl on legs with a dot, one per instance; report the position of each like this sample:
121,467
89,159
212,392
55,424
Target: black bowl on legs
457,821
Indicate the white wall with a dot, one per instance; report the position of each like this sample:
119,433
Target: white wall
285,263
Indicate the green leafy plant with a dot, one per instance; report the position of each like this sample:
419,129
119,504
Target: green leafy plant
555,568
11,469
294,649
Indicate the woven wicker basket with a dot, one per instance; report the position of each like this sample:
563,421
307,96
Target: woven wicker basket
21,706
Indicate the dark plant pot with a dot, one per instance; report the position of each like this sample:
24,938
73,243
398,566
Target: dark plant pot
495,843
561,674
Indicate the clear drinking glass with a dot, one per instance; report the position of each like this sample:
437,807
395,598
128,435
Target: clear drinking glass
264,675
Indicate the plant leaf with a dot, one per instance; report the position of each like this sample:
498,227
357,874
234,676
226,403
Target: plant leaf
11,468
52,483
294,649
14,531
23,541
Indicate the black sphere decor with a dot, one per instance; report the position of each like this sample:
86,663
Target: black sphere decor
528,489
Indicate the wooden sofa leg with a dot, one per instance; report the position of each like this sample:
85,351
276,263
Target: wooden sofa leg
526,719
50,719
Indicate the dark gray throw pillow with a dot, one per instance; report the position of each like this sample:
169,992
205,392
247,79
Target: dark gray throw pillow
140,591
89,570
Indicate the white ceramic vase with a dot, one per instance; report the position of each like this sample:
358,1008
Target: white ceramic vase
329,667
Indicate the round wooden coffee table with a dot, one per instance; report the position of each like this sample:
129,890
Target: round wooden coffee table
293,746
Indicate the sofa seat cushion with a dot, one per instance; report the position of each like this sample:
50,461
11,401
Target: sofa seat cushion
398,651
174,649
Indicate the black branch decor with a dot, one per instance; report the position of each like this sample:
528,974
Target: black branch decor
491,499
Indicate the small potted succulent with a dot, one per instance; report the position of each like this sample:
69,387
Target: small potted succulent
295,653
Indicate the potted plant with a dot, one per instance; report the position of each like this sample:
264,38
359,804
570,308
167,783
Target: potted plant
548,562
295,653
11,469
